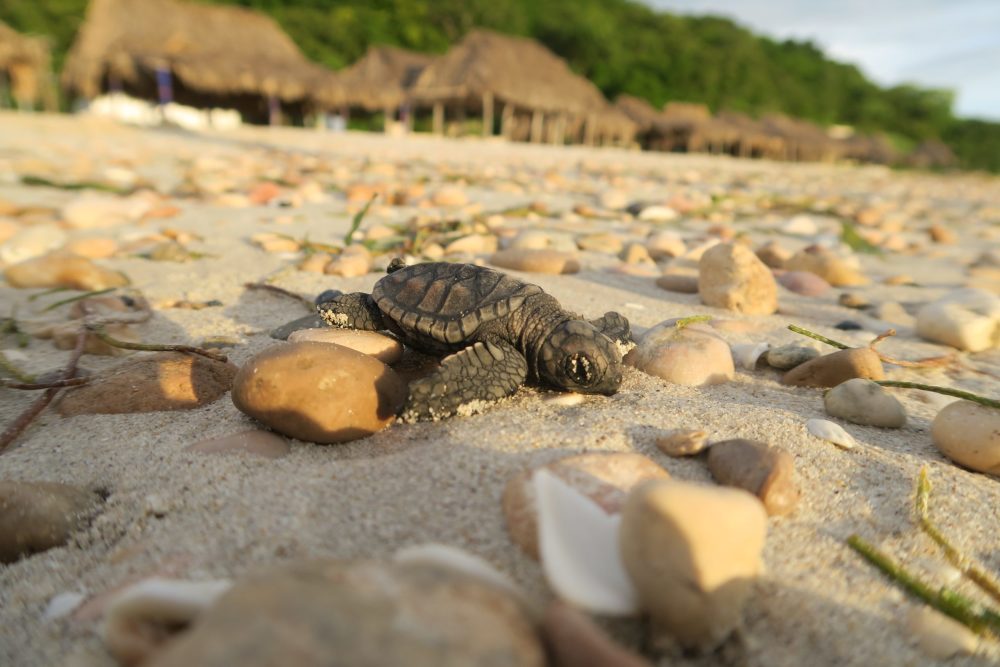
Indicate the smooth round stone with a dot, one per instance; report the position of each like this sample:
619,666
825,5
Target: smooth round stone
59,270
348,266
969,434
830,370
604,477
473,244
827,266
893,313
315,262
765,471
693,552
318,392
682,442
678,282
321,613
95,248
636,253
601,242
967,319
536,261
100,211
257,443
861,401
853,300
943,235
785,357
658,214
940,637
774,255
665,244
692,356
730,276
450,195
384,348
36,516
615,200
159,382
531,239
848,325
803,282
31,242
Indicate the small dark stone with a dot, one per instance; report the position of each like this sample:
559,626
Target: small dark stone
635,208
848,325
308,322
327,295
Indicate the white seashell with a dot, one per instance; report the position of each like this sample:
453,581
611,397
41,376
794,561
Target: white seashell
831,432
62,605
157,602
458,560
939,636
578,544
746,355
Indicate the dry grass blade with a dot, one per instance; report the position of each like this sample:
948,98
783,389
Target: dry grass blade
927,362
283,292
98,331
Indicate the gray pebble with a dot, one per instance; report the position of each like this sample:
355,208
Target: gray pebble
785,357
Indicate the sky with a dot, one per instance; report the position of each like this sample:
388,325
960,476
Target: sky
953,44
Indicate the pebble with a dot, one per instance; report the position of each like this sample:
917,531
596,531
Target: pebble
749,355
682,442
694,570
386,349
635,253
943,235
774,255
8,228
730,276
93,248
938,636
315,262
31,242
828,266
803,282
363,613
893,313
827,430
473,244
967,319
313,321
255,442
318,392
969,434
853,300
658,214
848,325
101,211
450,195
601,242
36,516
575,640
615,200
861,401
665,244
785,357
158,382
604,477
536,261
800,225
765,471
349,265
831,369
692,356
60,270
683,283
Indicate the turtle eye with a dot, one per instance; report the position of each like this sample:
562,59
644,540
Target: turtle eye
580,369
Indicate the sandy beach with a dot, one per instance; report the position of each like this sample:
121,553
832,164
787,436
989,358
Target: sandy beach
172,512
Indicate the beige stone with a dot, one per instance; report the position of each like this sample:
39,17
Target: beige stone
830,370
693,552
692,356
59,270
604,477
575,640
765,471
450,195
93,248
36,516
536,261
318,392
254,442
827,266
348,266
730,276
969,434
386,349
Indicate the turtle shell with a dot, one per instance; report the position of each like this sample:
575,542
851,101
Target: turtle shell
449,302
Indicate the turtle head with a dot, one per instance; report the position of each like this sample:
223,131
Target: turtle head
578,357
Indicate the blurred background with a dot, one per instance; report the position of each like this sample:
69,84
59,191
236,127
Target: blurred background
900,82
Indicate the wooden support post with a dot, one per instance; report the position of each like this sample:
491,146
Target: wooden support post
438,119
589,130
537,126
507,121
487,114
560,137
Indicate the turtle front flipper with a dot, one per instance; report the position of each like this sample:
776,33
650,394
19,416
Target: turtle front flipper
480,373
352,311
614,326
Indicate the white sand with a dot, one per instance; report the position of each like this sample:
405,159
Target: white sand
817,604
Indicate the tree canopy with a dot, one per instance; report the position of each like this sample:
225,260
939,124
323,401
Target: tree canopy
622,46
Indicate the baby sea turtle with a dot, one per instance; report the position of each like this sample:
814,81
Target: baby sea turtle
498,332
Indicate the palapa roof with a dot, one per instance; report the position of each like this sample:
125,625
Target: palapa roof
515,70
932,153
642,113
379,80
210,49
18,49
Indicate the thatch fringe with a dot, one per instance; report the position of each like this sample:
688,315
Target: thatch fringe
26,62
380,80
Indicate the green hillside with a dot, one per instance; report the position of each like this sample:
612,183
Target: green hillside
621,45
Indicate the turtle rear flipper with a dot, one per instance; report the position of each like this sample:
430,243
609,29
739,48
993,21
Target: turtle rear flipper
482,372
352,311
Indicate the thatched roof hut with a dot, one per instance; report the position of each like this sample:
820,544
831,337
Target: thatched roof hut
932,154
756,139
870,148
380,80
25,61
804,141
225,53
691,128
